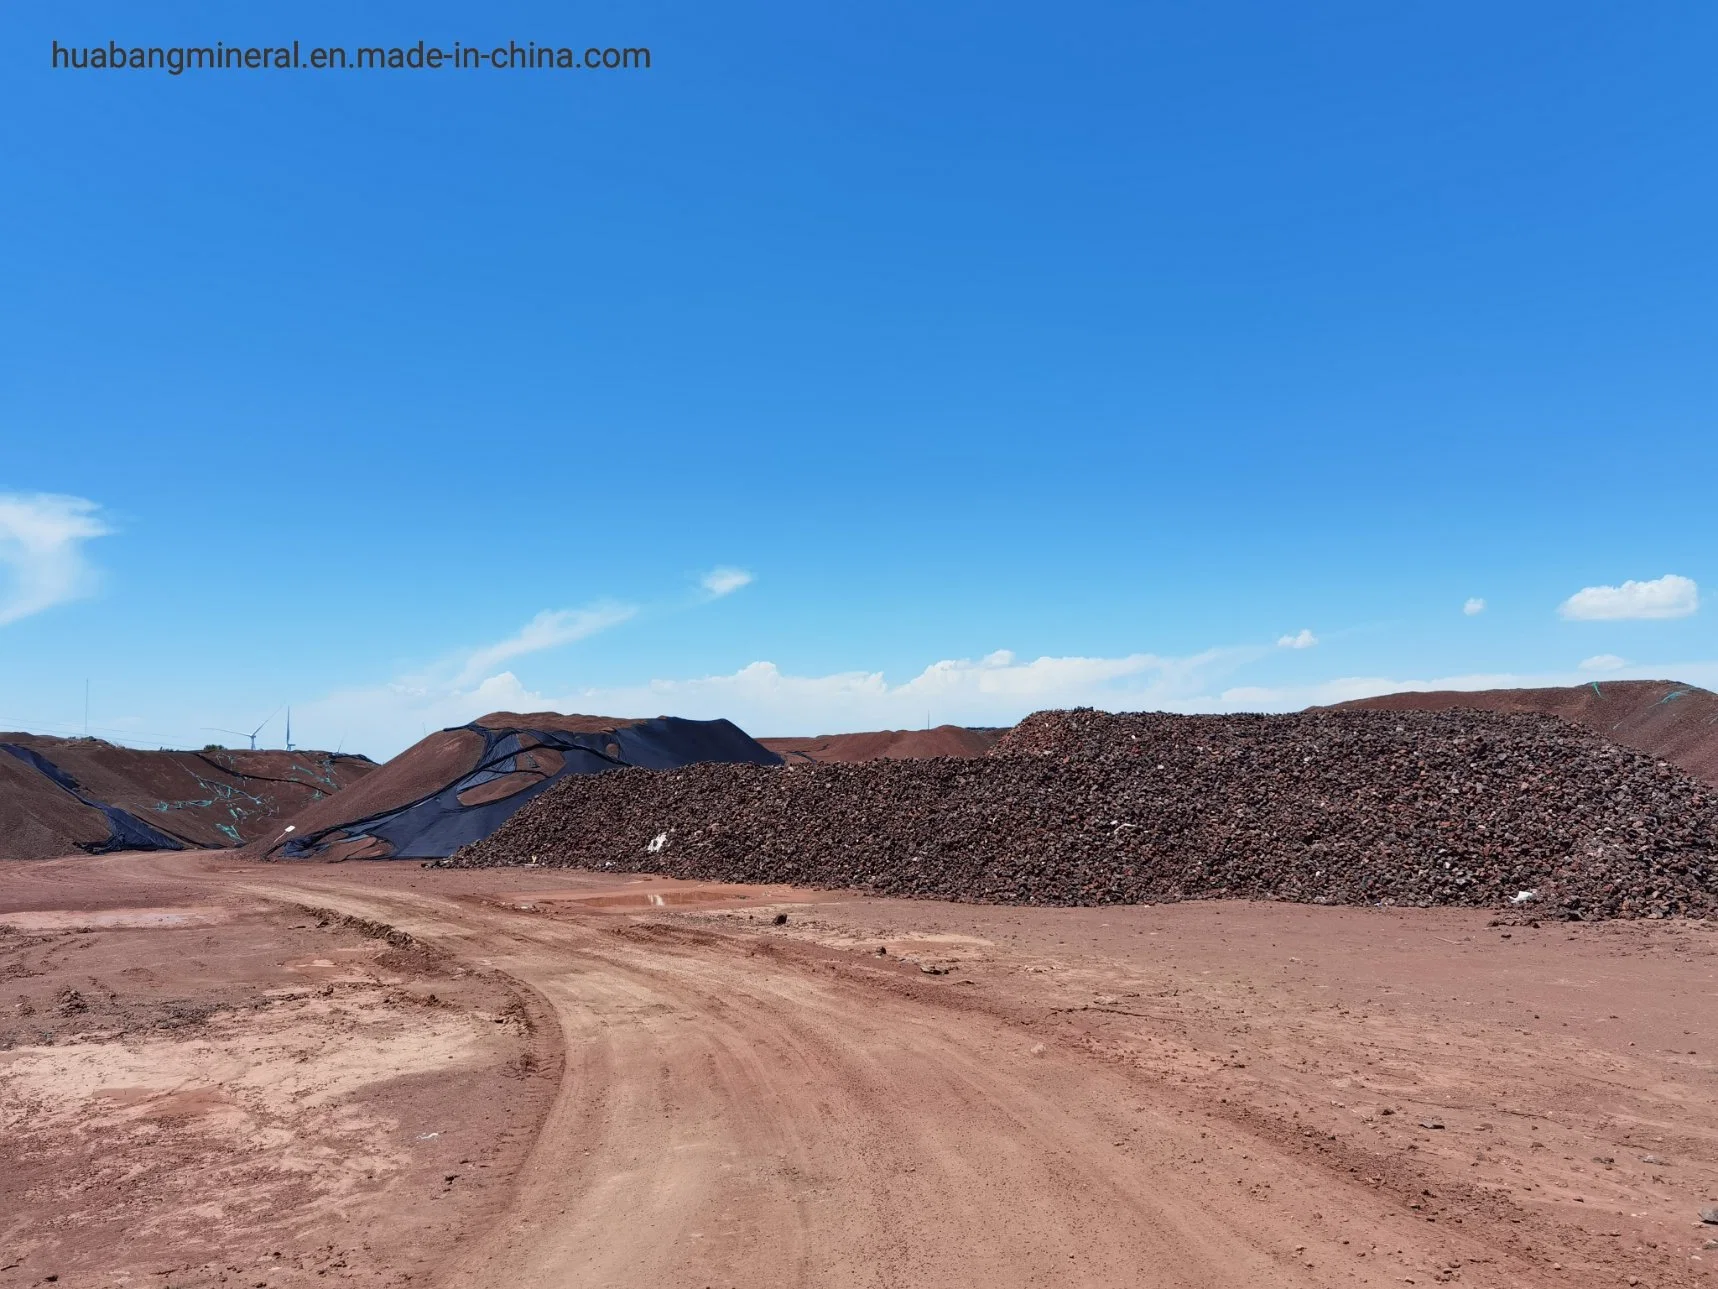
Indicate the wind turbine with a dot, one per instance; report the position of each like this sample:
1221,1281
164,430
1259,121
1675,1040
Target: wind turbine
252,736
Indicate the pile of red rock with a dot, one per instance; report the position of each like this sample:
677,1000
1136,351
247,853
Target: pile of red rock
1082,807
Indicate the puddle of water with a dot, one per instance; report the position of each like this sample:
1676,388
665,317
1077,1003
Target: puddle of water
105,919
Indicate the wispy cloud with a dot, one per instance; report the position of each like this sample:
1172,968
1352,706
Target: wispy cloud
724,581
548,630
1473,606
383,718
41,551
1604,662
1669,596
763,698
997,689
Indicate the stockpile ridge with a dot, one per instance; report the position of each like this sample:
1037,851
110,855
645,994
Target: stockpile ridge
1663,718
1081,807
59,795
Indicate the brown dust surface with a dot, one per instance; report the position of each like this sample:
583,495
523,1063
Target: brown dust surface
381,1074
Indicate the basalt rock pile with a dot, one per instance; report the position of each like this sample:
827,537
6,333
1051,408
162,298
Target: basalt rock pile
1408,808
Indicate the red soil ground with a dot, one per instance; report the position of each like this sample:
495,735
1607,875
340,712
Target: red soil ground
1663,717
219,1072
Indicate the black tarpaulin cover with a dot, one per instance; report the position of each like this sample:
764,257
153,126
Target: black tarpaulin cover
436,825
127,831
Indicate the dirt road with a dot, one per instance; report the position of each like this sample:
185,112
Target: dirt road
1198,1095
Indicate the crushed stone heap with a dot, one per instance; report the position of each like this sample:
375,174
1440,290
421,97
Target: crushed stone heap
1082,807
1663,718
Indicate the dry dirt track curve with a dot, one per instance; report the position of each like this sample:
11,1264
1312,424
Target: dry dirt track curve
736,1109
743,1119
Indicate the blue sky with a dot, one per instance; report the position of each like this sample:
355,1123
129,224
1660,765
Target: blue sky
1004,357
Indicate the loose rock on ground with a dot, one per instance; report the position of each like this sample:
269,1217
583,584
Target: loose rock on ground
1082,807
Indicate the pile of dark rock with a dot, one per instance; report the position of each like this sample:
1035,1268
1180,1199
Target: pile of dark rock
1082,807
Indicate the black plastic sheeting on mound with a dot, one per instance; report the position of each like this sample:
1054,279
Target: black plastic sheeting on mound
435,826
125,830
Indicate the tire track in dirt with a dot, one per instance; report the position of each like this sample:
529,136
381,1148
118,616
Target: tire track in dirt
726,1118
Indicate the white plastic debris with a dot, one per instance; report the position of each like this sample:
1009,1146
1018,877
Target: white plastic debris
1524,897
657,843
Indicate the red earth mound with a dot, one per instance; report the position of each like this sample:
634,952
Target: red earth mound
429,765
458,785
218,797
886,745
1663,717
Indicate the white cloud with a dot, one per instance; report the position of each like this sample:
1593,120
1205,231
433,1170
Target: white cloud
1667,597
997,689
725,581
549,629
41,551
382,719
1603,662
761,698
764,699
1473,606
1304,640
